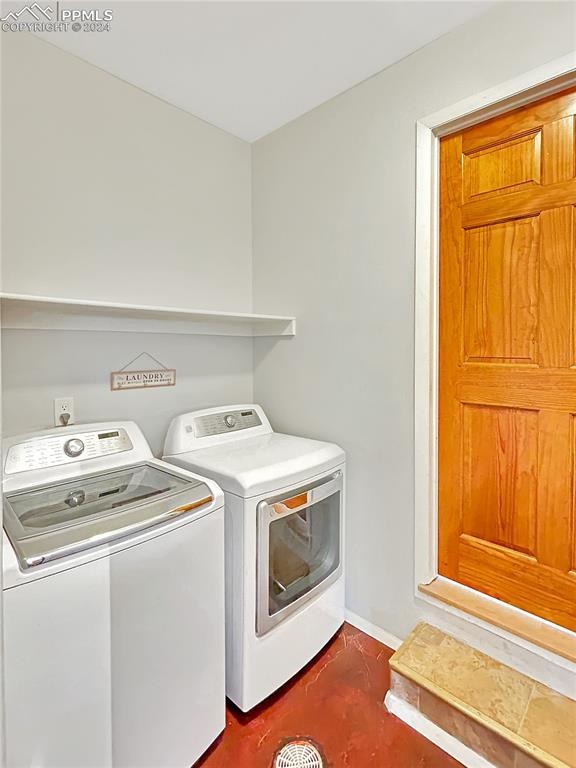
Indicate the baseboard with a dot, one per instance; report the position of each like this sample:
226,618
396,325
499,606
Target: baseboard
386,638
433,733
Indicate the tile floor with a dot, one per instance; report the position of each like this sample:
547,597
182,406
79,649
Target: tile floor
337,702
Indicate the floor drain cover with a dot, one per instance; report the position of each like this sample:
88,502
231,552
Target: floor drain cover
298,754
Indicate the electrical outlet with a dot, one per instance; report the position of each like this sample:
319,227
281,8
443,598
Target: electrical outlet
63,411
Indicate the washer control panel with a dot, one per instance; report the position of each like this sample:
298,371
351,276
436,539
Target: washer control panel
52,450
225,421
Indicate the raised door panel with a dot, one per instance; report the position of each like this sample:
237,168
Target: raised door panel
558,152
556,288
500,464
555,480
504,167
501,292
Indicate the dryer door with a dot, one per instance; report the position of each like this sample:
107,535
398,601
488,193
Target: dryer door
299,549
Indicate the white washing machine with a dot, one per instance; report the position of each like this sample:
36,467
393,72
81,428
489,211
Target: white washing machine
113,566
284,541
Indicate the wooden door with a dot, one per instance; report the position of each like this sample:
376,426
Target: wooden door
507,367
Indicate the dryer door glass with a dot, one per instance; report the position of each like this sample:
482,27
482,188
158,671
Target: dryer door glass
299,549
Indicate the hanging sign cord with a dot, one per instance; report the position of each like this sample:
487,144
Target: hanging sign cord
142,355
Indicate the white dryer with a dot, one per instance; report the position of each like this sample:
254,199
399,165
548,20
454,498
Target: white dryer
284,532
113,566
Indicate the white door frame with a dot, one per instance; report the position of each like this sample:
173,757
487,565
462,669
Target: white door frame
547,79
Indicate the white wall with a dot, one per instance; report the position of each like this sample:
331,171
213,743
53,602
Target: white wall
110,193
38,366
333,239
114,194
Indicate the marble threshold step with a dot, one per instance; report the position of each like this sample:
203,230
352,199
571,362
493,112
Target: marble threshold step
480,711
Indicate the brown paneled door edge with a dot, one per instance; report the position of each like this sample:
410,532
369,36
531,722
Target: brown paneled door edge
507,358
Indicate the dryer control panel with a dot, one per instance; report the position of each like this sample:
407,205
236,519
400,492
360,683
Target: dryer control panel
53,450
222,422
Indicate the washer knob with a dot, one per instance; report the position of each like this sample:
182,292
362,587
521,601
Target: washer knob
230,420
73,447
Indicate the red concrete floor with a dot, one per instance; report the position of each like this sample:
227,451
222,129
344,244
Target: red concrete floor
336,701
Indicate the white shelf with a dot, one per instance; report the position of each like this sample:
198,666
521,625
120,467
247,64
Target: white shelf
50,313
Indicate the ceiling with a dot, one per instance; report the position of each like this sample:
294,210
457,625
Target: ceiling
250,67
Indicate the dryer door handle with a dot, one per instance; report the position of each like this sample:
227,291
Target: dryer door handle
281,506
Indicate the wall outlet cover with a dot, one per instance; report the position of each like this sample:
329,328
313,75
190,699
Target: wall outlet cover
63,411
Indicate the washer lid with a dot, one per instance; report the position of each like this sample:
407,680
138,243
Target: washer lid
252,466
51,521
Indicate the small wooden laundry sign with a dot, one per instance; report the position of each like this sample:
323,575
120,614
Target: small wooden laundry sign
165,377
143,379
